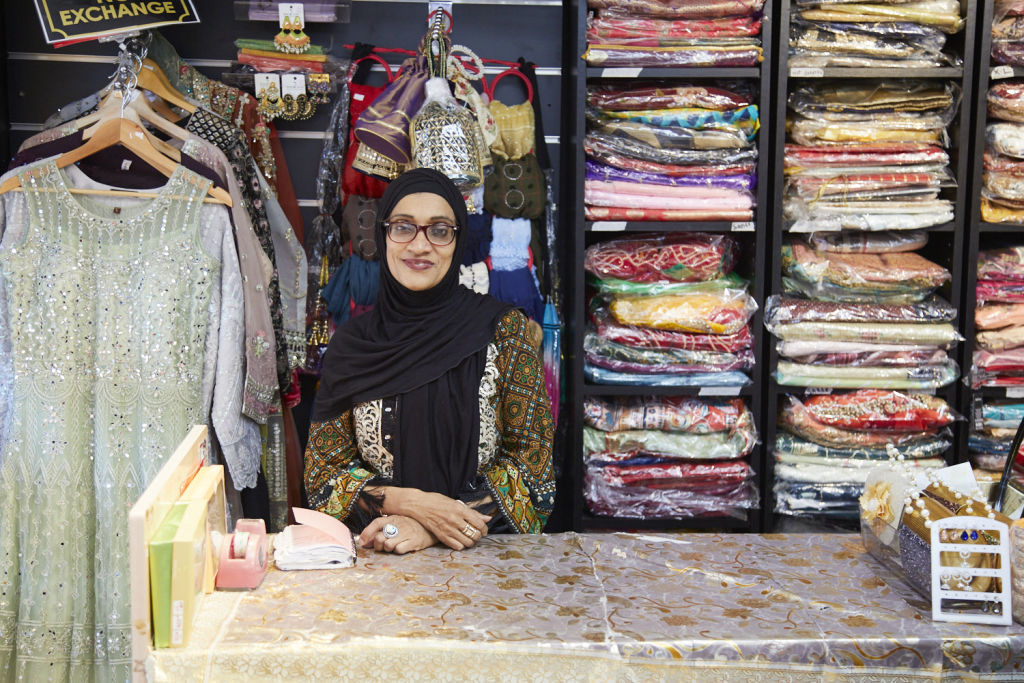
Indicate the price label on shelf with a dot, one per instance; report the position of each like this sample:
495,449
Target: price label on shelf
815,391
743,226
806,72
1014,392
1001,71
620,72
608,226
733,390
293,84
267,84
292,13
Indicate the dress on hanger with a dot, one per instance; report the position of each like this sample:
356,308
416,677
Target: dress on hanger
121,325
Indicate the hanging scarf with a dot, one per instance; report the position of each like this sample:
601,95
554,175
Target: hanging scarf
428,348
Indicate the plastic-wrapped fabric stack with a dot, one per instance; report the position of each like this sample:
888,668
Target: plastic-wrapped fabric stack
658,457
1002,192
1008,32
668,311
995,423
868,155
677,34
670,153
826,446
882,33
999,319
859,312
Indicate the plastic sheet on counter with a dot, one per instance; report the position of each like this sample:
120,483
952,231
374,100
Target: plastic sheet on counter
698,490
711,380
610,355
781,310
689,56
925,447
667,413
838,377
665,96
677,445
680,257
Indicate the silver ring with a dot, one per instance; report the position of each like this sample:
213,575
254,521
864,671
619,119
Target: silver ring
390,530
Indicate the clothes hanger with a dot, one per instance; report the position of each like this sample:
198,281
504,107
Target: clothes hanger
126,132
137,108
152,78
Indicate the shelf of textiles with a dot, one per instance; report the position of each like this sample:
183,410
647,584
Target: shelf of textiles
868,233
670,106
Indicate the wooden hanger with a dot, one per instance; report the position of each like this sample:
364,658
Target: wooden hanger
139,109
121,131
152,78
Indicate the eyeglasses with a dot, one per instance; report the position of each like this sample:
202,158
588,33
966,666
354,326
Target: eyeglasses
438,234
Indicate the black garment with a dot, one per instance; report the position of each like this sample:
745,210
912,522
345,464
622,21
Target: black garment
426,348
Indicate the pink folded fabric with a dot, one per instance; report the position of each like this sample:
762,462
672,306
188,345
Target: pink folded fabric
637,201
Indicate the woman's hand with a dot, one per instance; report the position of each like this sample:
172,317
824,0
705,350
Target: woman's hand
411,535
451,522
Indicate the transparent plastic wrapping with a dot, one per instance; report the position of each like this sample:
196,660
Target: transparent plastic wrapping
840,377
780,310
610,355
663,197
884,274
1004,186
670,491
1001,264
837,500
827,291
710,379
815,473
599,150
623,213
667,137
719,313
603,143
1000,340
823,216
1006,139
988,364
995,316
818,131
1007,33
676,257
604,172
926,447
872,100
667,413
875,409
667,96
885,242
1012,413
853,158
710,9
942,14
666,32
799,420
676,445
905,357
866,44
1008,52
995,162
617,286
1006,101
744,120
646,338
854,187
689,56
942,335
844,463
1001,291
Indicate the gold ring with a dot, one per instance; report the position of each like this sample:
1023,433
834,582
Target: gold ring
469,530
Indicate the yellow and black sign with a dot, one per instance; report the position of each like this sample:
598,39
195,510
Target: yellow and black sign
80,19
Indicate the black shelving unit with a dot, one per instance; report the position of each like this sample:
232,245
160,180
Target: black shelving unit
753,238
947,244
981,235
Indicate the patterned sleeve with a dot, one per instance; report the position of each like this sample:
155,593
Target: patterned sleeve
334,474
522,478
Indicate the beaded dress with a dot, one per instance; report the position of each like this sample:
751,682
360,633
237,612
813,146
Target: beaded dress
111,322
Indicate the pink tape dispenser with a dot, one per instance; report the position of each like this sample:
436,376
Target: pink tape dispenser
243,556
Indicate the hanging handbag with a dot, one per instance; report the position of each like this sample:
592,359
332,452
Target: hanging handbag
384,126
516,188
362,178
515,123
447,138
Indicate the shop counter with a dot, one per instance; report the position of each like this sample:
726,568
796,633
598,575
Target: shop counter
593,607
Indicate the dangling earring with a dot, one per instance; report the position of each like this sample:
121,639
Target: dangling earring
299,40
281,40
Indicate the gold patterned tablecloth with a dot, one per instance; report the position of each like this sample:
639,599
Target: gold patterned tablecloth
593,607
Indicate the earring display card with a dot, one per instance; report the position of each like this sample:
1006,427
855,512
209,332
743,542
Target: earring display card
292,84
266,83
333,12
291,13
970,571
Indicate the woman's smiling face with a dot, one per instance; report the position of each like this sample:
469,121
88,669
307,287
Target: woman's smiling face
420,265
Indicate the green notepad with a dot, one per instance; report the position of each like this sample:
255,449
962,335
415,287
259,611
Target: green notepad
161,553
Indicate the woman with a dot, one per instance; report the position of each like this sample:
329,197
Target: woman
431,424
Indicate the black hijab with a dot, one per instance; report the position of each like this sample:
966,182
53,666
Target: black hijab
429,348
